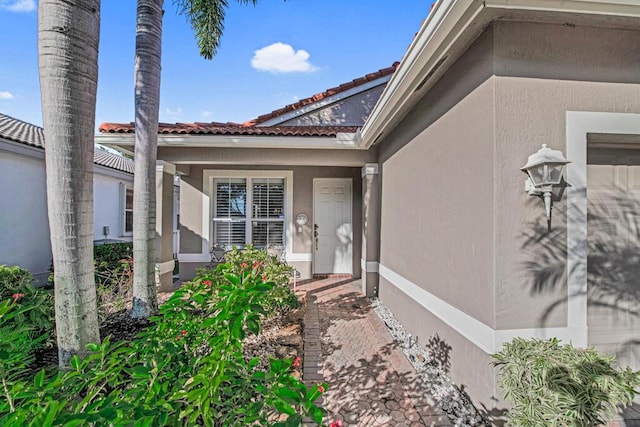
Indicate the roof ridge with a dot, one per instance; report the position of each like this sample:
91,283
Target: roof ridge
325,94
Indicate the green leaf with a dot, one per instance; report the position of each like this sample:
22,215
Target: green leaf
295,420
288,395
257,308
93,347
317,414
253,326
284,407
38,379
232,278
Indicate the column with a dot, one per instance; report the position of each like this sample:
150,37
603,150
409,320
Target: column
370,229
164,225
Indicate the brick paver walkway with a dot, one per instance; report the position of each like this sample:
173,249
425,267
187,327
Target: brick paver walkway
371,381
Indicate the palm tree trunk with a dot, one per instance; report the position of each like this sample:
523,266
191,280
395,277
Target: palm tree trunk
147,100
68,35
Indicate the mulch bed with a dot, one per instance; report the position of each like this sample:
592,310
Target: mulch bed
281,336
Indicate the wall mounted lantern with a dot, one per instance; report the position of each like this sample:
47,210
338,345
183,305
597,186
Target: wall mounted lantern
544,171
301,219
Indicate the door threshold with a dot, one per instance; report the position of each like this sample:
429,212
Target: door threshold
333,276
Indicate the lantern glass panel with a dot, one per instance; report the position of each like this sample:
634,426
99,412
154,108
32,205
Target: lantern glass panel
537,175
555,174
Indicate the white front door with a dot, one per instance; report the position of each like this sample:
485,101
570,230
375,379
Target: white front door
332,226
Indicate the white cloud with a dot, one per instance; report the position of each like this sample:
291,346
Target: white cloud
206,114
282,58
173,113
6,95
18,5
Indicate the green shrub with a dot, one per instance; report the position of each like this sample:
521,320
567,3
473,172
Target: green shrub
260,264
558,385
113,265
113,271
16,285
187,368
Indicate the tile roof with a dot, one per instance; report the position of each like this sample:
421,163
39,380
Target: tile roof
114,161
250,128
28,134
231,129
22,132
327,93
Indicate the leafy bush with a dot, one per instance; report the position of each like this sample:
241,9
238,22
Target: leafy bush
114,276
260,264
16,285
558,385
187,368
113,271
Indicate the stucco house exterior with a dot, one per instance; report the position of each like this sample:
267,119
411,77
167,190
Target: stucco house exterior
24,226
425,200
250,182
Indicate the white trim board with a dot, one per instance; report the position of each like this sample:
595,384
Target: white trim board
165,267
299,257
486,338
369,266
578,125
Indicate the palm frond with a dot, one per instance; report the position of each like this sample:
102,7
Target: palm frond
207,20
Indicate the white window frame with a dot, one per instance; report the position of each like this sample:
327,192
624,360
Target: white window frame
123,210
208,200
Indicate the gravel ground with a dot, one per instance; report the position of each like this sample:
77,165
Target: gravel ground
432,364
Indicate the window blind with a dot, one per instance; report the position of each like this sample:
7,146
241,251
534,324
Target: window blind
267,211
229,221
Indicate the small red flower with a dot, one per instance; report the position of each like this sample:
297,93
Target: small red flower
256,264
244,266
16,297
336,423
207,282
321,388
264,278
183,332
296,362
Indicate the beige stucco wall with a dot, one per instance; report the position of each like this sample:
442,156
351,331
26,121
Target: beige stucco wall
544,71
454,212
303,176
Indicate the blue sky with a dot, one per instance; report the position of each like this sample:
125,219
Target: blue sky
271,55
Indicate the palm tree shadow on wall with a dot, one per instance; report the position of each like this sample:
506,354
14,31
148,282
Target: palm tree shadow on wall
613,260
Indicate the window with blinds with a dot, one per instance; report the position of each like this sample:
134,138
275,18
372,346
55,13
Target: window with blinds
229,222
267,211
249,210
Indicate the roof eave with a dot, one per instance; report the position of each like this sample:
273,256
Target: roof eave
340,141
449,29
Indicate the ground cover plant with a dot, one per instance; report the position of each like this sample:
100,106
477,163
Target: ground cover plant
559,385
186,368
33,311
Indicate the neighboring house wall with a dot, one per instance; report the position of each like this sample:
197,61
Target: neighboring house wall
454,212
109,188
24,227
24,224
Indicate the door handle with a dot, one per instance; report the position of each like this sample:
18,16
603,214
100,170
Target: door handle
315,234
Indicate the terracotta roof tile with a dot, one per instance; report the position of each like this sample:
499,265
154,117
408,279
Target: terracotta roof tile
230,129
25,133
319,96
